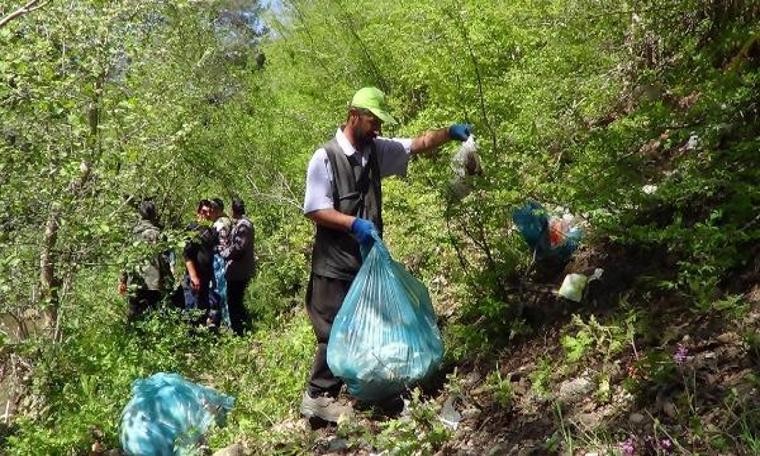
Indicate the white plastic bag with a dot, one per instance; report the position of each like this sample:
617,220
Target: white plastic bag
465,164
466,161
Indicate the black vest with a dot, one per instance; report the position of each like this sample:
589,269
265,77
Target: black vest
355,191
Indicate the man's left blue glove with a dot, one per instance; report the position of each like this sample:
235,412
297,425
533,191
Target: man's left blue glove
363,229
460,131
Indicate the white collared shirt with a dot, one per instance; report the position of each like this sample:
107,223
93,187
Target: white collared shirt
392,156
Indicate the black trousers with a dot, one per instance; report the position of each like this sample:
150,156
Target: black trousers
324,296
239,317
140,302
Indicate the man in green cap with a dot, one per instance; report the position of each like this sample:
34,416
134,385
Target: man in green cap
343,198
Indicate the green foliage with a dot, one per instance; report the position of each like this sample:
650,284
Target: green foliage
100,100
420,433
656,371
500,388
541,377
606,340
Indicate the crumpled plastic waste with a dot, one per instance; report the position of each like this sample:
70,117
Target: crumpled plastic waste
574,284
449,416
649,189
385,337
168,415
693,142
555,236
465,164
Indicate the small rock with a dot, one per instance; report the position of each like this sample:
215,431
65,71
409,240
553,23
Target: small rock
669,409
636,418
472,379
728,338
574,390
337,444
589,420
235,449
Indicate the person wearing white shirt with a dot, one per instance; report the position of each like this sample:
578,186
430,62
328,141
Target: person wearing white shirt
344,199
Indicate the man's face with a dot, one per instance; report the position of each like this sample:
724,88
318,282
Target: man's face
367,126
205,214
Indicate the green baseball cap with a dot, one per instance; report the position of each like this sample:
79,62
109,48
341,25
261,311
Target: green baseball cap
372,99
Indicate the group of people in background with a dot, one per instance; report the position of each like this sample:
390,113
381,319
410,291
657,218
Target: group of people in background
219,264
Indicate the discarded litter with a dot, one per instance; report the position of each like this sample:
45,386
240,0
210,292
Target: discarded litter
574,284
385,337
449,415
465,163
168,415
649,189
693,142
556,236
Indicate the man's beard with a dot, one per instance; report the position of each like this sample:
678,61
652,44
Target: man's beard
366,137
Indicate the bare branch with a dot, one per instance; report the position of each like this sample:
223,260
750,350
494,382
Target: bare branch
32,5
276,199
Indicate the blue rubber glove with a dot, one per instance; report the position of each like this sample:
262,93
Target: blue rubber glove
363,229
460,131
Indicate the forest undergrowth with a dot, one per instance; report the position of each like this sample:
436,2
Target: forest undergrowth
639,118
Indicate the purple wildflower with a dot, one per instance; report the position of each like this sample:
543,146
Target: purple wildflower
681,353
628,446
666,446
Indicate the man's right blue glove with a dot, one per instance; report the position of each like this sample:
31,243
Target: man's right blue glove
363,229
460,131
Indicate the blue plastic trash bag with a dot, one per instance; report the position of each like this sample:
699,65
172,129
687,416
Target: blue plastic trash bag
218,310
220,286
548,237
168,415
385,337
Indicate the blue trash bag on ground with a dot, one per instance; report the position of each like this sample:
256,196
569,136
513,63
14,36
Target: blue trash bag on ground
545,238
168,415
384,338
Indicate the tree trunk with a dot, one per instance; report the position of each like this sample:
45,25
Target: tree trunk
48,281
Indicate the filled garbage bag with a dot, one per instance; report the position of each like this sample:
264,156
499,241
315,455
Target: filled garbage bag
168,415
385,337
548,236
220,287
